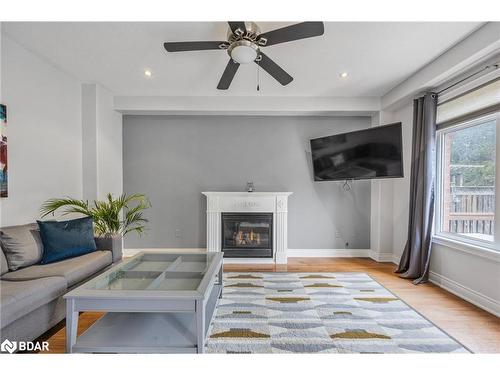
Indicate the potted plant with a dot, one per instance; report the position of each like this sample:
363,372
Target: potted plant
113,218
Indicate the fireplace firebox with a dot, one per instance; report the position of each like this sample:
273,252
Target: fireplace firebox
247,235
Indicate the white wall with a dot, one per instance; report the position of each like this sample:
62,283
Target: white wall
401,186
45,137
89,141
381,206
109,145
52,148
102,143
472,277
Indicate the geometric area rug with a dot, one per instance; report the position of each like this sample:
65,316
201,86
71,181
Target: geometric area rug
344,312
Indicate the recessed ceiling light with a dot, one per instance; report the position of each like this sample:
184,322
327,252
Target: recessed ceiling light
148,73
344,75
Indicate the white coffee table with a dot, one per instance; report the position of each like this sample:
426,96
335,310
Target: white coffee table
155,302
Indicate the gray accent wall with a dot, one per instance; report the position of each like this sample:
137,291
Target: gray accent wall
173,159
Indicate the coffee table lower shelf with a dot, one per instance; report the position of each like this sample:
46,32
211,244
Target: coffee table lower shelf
120,332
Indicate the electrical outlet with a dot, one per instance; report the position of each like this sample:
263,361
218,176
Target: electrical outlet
177,233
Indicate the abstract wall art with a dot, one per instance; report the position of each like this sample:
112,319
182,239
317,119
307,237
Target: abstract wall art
3,152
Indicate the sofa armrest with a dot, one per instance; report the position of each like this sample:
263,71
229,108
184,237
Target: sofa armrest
113,244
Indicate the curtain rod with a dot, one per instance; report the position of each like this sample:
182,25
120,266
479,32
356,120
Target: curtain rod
494,66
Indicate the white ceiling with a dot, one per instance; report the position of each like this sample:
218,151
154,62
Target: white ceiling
377,55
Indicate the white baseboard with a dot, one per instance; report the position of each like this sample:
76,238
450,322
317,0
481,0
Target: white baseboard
248,261
340,253
381,257
466,293
291,253
328,253
396,258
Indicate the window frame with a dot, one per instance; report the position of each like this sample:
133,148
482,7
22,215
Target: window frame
440,236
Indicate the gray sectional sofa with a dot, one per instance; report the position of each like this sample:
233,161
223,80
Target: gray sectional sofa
31,293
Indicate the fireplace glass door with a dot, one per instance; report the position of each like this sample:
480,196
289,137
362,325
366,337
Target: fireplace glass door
248,235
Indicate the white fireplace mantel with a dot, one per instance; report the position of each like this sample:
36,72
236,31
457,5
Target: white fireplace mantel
272,202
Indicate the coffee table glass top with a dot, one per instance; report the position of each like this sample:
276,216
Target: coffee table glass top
155,272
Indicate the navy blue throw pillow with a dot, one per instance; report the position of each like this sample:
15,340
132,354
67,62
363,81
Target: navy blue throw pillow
66,239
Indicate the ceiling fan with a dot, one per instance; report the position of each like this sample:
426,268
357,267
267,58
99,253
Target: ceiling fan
244,43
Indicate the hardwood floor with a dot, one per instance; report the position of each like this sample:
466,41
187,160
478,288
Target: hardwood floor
473,327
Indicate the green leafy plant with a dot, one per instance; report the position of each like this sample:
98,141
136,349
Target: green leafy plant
113,216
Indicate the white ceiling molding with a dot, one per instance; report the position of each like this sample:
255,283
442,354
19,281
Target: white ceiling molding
480,44
240,105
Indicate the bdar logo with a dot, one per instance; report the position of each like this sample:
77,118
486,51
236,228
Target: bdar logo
12,346
8,346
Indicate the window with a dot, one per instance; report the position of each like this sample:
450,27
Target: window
467,181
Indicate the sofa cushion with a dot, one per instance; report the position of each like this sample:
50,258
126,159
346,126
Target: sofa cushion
4,267
22,245
74,270
19,298
66,239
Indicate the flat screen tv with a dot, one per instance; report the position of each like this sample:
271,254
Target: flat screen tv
364,154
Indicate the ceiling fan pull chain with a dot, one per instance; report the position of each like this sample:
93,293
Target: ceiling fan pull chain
258,75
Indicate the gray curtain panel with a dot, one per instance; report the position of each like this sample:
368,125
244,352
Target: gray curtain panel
414,263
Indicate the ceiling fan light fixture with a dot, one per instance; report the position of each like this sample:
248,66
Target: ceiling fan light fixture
243,51
244,43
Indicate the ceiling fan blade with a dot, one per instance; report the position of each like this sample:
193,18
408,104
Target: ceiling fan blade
228,75
274,70
237,25
192,46
293,32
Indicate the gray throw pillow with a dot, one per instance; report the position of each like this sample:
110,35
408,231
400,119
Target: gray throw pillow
22,245
4,267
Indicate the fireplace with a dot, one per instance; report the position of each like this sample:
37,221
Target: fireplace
247,234
270,209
